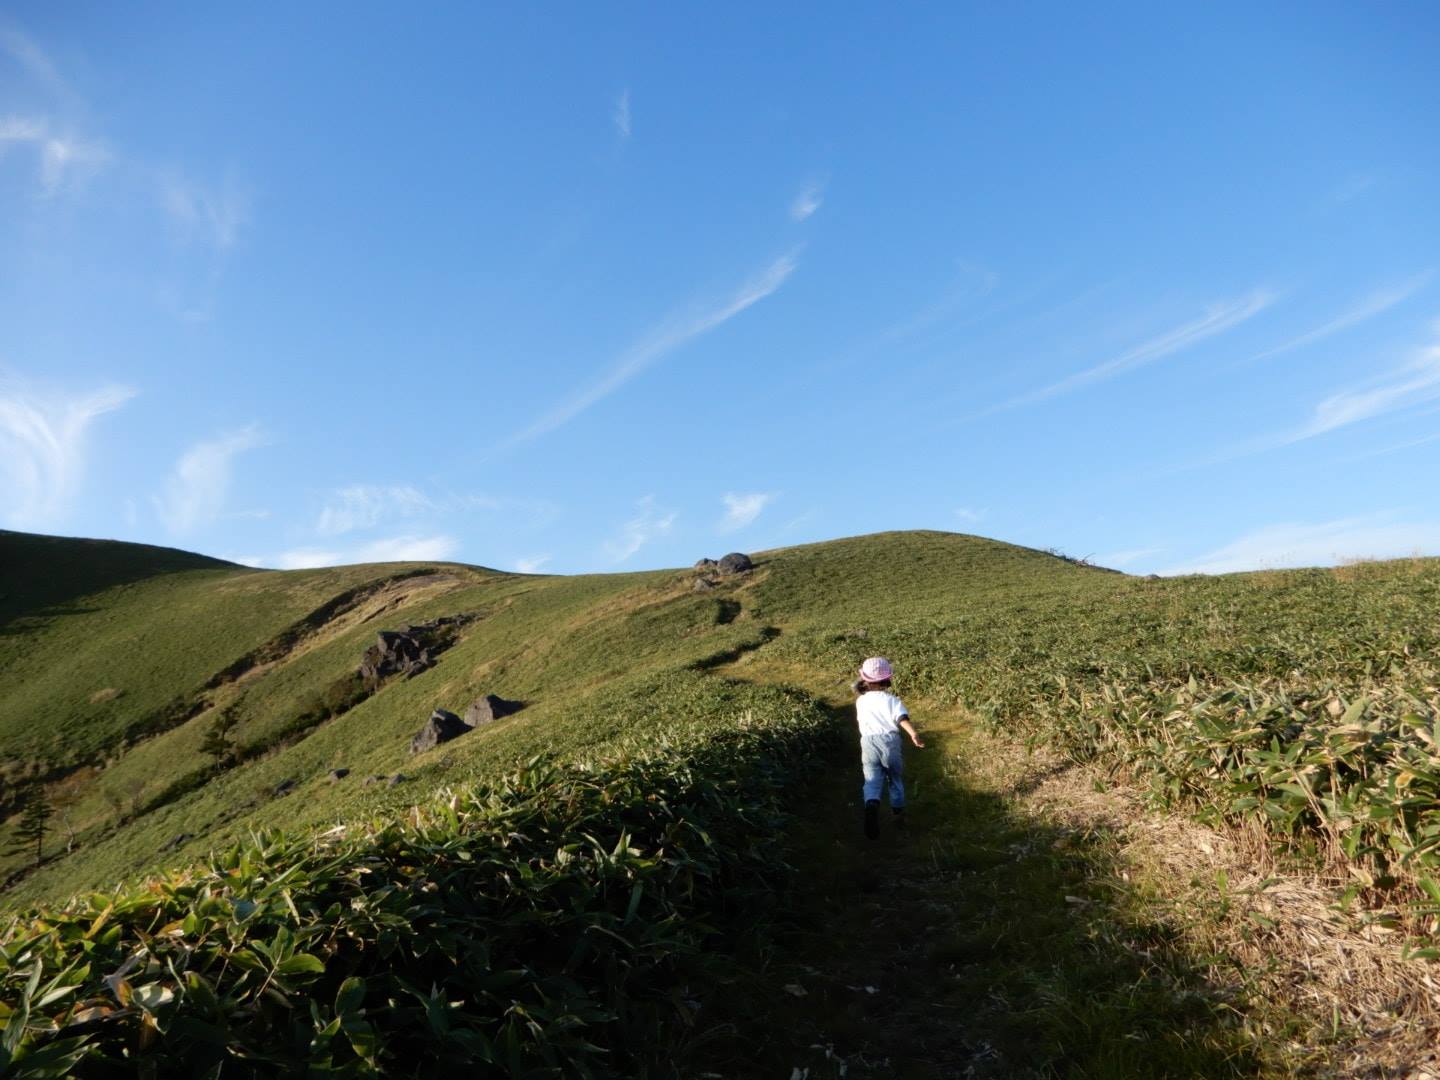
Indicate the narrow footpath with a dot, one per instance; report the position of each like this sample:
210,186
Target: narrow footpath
991,936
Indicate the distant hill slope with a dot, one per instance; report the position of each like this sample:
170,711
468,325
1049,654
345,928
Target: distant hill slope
41,572
109,698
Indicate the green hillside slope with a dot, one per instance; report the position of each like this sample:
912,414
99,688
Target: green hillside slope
1300,703
42,572
128,682
111,697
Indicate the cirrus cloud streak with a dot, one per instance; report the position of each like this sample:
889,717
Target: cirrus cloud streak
42,448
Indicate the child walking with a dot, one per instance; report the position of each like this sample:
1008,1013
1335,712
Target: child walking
882,717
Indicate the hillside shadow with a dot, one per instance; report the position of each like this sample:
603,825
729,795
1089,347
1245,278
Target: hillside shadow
41,575
33,621
973,942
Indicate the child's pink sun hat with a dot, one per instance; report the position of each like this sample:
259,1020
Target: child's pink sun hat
876,669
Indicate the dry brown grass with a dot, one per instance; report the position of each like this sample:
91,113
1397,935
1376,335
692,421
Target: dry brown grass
1361,569
110,693
1332,984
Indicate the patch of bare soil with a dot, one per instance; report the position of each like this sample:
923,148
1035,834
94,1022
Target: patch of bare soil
349,609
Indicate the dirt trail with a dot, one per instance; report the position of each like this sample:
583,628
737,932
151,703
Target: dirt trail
1032,920
983,939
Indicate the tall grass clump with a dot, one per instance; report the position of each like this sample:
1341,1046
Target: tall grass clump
564,920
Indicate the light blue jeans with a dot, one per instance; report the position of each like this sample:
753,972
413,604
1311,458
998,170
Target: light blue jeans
881,763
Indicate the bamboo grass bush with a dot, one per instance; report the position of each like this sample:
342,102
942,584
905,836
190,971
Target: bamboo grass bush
1307,702
564,920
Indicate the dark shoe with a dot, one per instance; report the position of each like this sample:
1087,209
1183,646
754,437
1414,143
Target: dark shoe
872,819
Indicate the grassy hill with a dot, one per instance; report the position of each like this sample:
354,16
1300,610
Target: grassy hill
110,698
1302,703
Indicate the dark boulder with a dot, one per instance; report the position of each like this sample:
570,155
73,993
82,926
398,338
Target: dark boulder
338,774
371,781
396,780
735,563
489,708
176,841
395,652
442,726
705,564
703,584
285,787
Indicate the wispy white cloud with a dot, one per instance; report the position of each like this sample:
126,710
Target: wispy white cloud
196,491
209,218
42,448
742,509
33,59
970,515
1412,384
1408,388
61,159
63,156
363,506
811,196
649,523
621,114
1217,320
1394,447
204,214
1378,536
659,343
22,129
409,549
1118,559
531,564
797,523
1367,308
971,283
390,549
298,559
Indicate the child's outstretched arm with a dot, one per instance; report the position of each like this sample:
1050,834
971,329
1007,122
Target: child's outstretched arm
909,729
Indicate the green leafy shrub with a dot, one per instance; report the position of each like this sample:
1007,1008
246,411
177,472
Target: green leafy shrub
1305,701
557,922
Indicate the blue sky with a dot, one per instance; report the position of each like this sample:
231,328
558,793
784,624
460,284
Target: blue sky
590,288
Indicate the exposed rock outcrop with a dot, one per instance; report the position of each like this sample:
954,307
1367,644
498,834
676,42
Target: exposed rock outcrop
411,649
442,726
488,708
709,571
388,781
735,563
395,652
